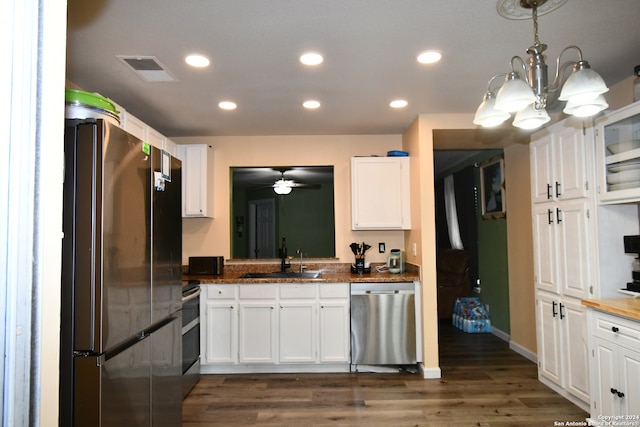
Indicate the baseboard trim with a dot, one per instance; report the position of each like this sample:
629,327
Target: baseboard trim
522,351
525,352
500,334
430,373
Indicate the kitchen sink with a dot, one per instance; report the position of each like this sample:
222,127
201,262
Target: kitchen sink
283,275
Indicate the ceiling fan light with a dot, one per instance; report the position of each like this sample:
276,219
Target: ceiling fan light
531,118
486,114
283,186
582,86
587,109
514,95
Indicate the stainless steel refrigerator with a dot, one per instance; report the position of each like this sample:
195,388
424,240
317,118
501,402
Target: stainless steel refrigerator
121,347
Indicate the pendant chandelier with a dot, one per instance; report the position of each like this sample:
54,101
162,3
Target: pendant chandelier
528,98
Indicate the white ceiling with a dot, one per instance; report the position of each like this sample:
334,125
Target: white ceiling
369,47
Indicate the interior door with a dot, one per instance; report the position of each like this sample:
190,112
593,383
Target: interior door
262,228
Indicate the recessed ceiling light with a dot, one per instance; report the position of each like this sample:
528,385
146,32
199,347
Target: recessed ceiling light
311,58
429,57
398,103
227,105
311,104
198,61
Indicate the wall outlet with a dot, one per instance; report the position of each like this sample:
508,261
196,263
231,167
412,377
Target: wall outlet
415,249
381,247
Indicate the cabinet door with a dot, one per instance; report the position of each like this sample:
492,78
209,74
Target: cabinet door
220,333
134,126
155,138
629,382
334,332
573,319
606,374
570,163
194,180
544,248
549,343
541,153
380,193
297,338
257,332
571,219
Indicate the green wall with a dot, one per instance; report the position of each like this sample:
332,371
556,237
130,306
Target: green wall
493,267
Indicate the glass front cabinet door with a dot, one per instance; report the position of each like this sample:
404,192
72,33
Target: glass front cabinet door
618,155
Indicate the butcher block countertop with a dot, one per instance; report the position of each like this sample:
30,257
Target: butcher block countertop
626,307
331,273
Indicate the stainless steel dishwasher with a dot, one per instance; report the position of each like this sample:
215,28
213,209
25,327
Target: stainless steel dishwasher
383,324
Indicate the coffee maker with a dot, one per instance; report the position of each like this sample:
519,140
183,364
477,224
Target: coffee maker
396,261
632,246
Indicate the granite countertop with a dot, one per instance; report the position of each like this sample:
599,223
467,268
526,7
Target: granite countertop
626,307
331,273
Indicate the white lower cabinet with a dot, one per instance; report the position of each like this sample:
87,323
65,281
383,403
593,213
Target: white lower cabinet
219,324
298,332
562,346
335,324
257,332
275,327
616,366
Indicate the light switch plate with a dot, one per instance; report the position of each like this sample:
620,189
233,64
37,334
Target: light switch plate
381,247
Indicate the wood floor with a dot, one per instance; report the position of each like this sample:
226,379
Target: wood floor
483,384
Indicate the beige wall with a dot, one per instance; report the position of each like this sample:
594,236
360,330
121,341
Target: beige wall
520,247
204,236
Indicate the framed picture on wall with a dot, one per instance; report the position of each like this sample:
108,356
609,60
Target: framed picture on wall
492,188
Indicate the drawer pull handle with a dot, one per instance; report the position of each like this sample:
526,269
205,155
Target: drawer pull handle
615,329
549,191
553,309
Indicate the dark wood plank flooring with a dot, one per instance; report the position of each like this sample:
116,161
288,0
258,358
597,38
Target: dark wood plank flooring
483,383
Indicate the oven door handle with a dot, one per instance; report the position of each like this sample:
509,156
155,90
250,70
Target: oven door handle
191,295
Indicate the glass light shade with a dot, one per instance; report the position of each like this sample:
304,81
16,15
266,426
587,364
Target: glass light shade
514,95
486,114
586,110
582,86
282,186
530,118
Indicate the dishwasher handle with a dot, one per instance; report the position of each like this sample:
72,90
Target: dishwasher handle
382,292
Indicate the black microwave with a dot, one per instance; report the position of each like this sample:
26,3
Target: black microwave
206,265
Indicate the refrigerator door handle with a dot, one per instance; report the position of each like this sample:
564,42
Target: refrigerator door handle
86,280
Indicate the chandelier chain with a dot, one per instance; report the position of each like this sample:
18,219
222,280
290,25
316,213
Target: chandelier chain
534,14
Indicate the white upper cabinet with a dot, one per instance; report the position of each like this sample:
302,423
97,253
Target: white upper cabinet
143,132
618,155
133,125
559,161
380,191
197,179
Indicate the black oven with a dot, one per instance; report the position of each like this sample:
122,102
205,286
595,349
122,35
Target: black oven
190,335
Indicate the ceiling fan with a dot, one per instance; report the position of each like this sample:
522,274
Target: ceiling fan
284,186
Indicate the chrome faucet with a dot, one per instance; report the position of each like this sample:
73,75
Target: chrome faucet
302,267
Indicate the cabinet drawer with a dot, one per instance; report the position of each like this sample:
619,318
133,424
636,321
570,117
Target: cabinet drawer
617,329
334,290
258,291
220,291
304,290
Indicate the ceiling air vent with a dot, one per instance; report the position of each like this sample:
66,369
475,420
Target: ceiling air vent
147,68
